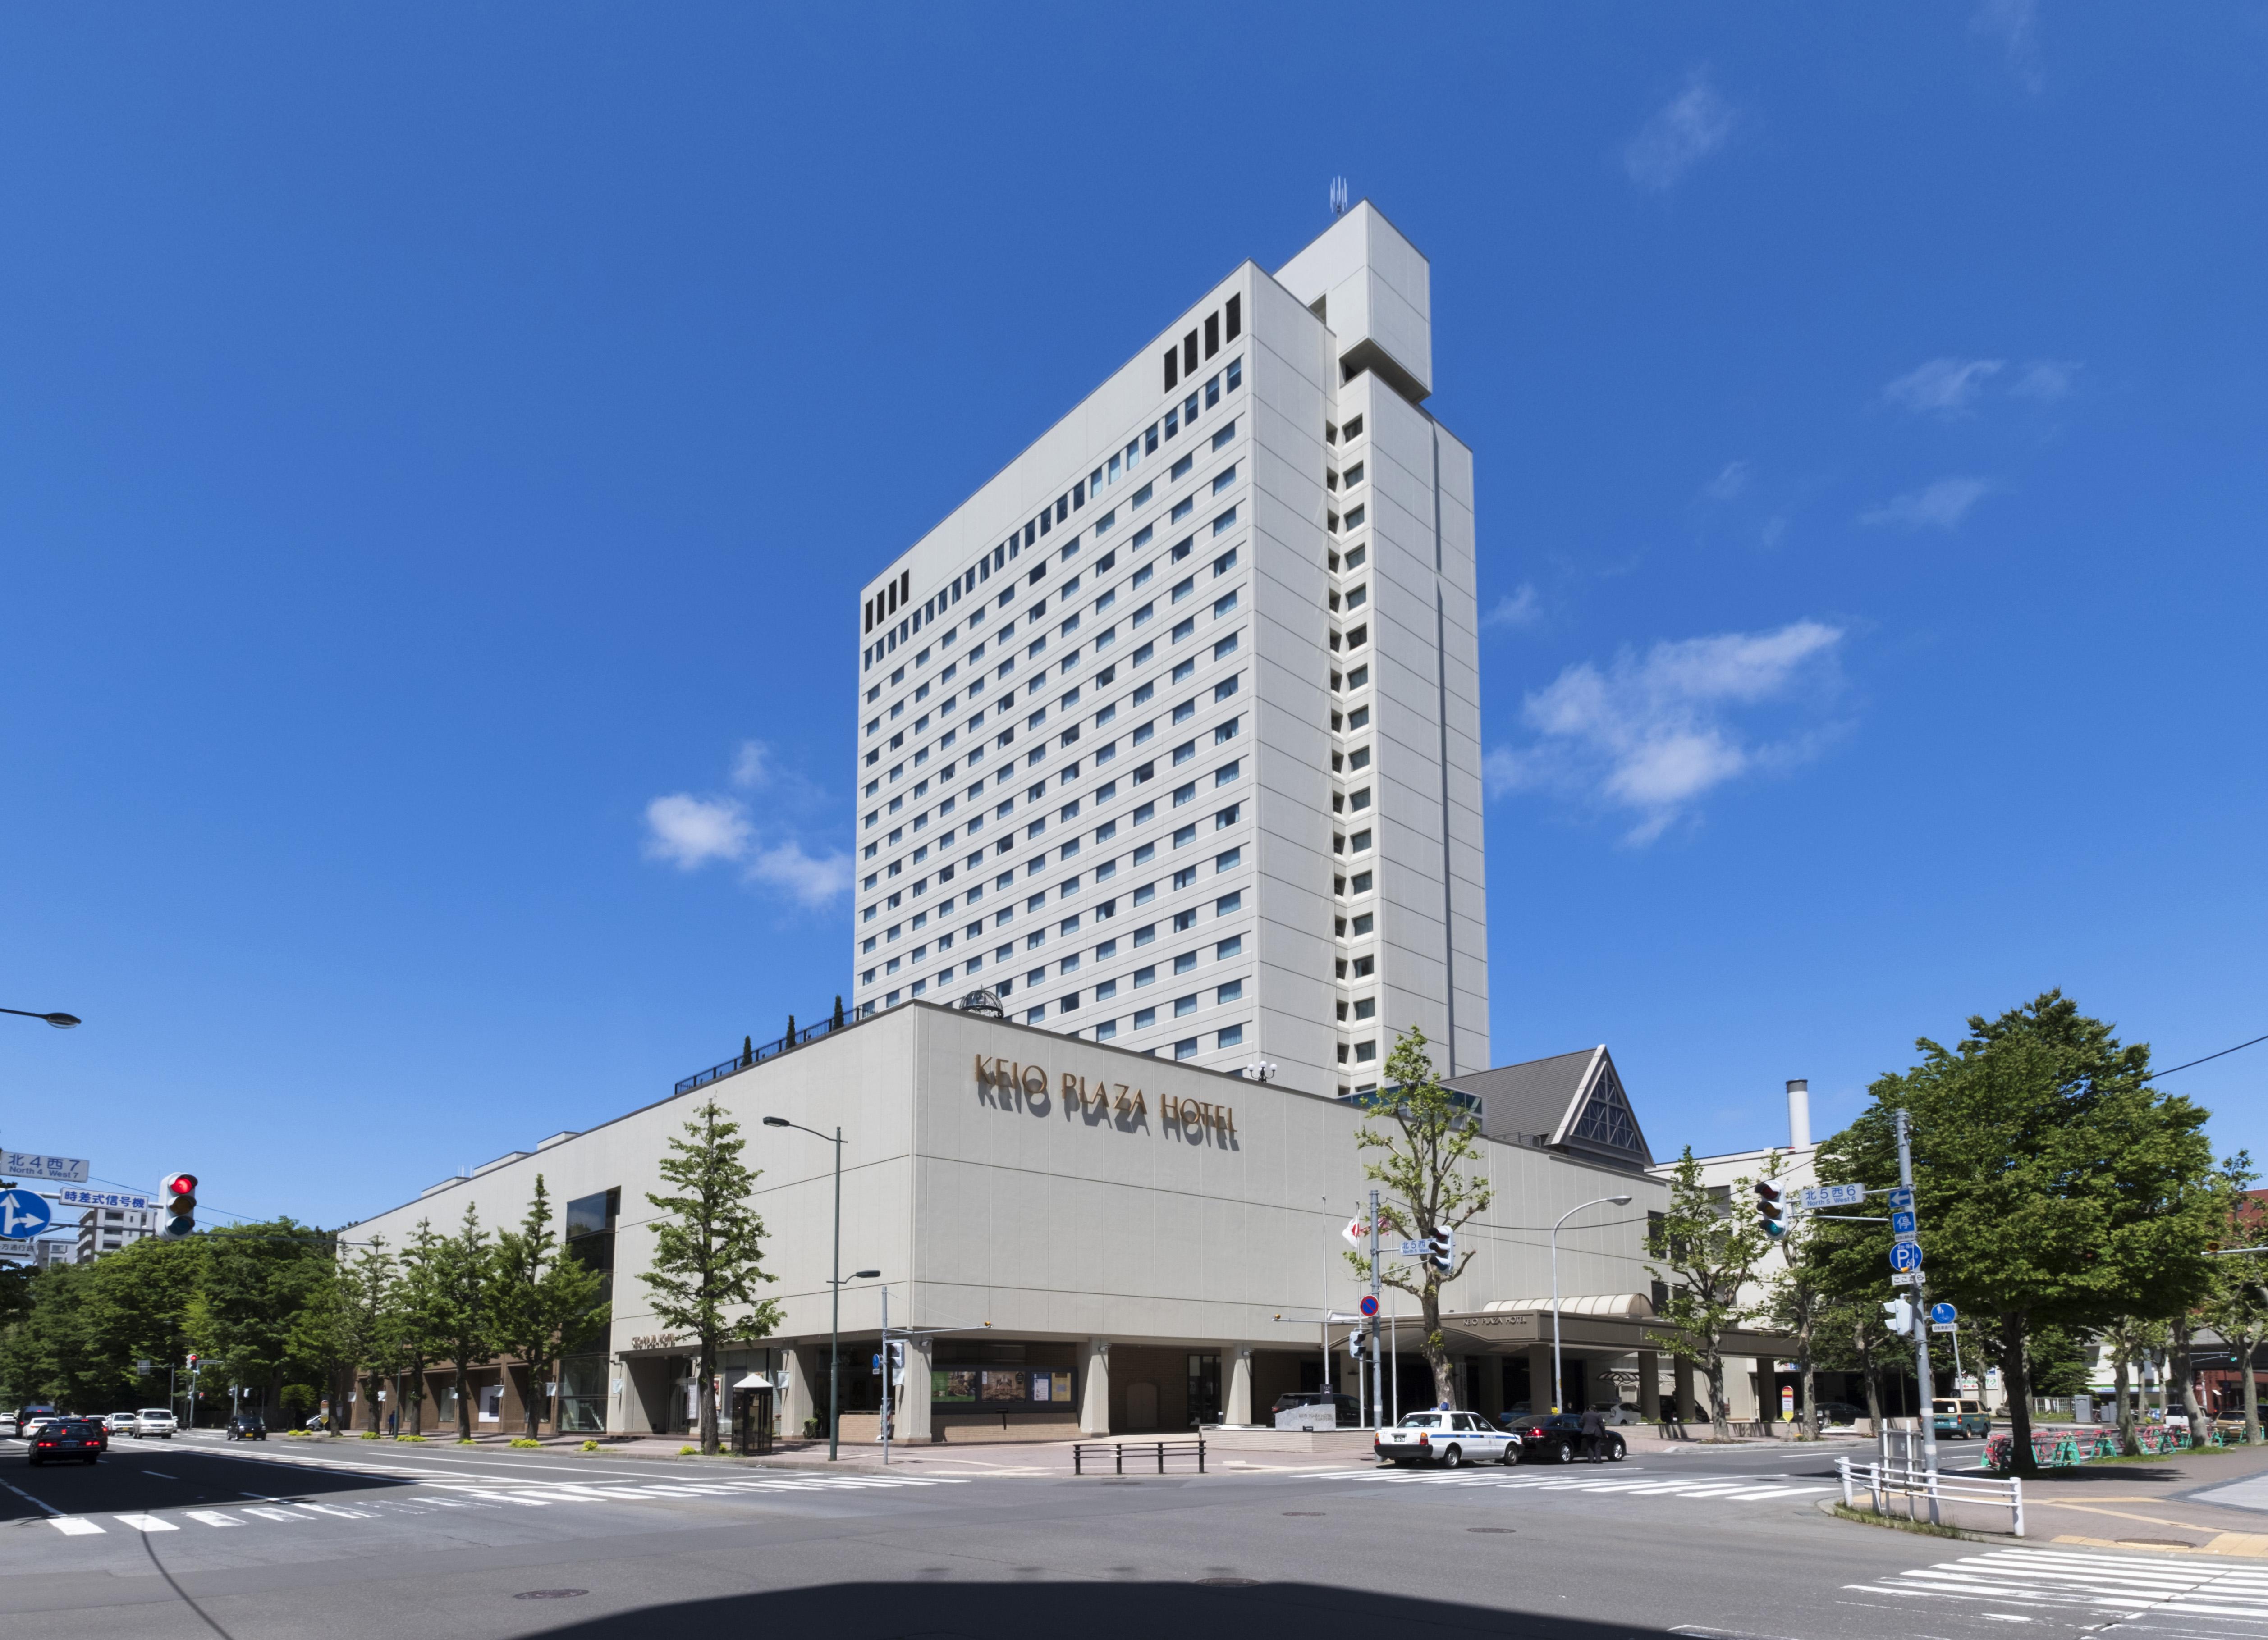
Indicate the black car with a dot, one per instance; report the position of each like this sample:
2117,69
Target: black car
1559,1437
247,1427
82,1439
1349,1411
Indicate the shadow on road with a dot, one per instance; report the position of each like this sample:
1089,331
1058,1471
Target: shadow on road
1232,1610
143,1475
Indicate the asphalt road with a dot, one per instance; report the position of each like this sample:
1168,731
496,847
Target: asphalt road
356,1538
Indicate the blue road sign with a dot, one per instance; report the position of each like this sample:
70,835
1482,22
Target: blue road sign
1905,1256
1901,1222
1369,1306
22,1214
1943,1314
1900,1200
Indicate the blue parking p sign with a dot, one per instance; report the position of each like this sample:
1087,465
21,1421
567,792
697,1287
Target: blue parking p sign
1905,1256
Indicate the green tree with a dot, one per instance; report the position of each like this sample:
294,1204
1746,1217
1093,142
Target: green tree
1433,1140
708,1250
369,1291
2236,1309
1707,1256
545,1299
414,1334
258,1277
1800,1301
2054,1185
460,1286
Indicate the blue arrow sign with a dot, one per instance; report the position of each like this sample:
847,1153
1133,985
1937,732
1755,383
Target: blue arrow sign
1902,1200
1901,1222
22,1214
1905,1256
1943,1314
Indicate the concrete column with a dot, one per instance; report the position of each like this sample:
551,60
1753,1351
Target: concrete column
1540,1396
797,1400
1094,1394
1687,1393
912,1425
1491,1374
1238,1411
1741,1386
1649,1385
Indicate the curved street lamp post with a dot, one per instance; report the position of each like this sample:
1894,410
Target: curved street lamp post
1618,1200
834,1280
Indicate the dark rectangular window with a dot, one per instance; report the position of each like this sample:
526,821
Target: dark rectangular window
1078,494
1189,353
1213,334
905,588
1235,320
1173,367
1063,508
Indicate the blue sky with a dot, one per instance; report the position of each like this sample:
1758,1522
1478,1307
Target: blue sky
430,437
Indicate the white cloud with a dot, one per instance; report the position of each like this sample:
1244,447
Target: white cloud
1652,734
812,879
1519,608
2015,25
1728,484
751,764
1942,387
689,831
1940,506
1686,130
2046,380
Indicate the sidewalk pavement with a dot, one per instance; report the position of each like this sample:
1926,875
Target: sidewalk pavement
2211,1500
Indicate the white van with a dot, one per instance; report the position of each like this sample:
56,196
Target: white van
157,1421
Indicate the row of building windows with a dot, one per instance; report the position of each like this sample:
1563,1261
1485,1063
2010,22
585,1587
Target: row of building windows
1119,466
1220,328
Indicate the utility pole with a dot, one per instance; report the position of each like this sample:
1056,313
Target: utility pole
889,1378
1921,1325
1377,1412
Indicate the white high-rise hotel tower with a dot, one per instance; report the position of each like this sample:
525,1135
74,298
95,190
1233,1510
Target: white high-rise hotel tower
1170,734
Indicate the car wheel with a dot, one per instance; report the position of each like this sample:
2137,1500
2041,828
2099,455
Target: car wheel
1616,1451
1452,1458
1510,1456
1563,1451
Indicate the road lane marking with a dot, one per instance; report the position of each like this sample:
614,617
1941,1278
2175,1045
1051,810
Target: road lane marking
275,1514
212,1517
161,1475
73,1525
146,1523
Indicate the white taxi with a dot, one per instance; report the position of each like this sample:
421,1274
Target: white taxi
1451,1439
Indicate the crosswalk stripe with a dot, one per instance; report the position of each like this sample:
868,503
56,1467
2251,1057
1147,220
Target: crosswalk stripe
343,1514
274,1514
73,1526
146,1523
212,1517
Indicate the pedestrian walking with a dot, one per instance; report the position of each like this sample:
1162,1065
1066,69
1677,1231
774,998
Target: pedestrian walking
1595,1435
393,1422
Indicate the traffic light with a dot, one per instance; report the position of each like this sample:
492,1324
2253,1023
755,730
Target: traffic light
1898,1316
181,1193
1441,1249
1357,1341
1769,1209
897,1359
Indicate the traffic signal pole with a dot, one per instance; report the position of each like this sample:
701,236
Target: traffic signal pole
1377,1410
1921,1327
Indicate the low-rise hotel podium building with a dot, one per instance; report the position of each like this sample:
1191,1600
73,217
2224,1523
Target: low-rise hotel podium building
1168,744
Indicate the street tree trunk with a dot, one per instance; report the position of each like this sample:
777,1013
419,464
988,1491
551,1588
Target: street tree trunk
2121,1378
1810,1400
708,1385
1720,1417
2183,1368
2016,1384
2245,1347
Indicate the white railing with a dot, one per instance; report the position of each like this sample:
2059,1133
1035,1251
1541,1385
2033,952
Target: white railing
1882,1482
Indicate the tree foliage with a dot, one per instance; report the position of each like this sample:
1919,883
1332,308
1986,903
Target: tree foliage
1706,1256
708,1249
545,1299
1432,1141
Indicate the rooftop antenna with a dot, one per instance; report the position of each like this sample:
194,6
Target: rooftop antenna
1339,196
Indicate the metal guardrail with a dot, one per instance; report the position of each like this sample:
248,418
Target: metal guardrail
1162,1450
1882,1482
755,1056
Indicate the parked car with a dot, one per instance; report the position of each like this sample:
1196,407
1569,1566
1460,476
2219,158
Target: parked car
246,1426
1557,1437
1839,1412
119,1422
1962,1419
82,1439
7,1424
158,1421
1350,1411
1451,1439
1618,1413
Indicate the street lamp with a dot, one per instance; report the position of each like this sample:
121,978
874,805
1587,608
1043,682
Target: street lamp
1618,1200
834,1280
60,1021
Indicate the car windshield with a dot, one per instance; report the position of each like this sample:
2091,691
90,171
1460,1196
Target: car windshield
153,1412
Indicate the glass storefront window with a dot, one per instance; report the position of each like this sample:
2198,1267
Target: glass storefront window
583,1395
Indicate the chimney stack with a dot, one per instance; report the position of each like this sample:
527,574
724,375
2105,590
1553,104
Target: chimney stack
1799,1114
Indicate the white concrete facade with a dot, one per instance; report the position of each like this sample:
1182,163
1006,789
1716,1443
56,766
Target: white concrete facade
1002,1197
1170,734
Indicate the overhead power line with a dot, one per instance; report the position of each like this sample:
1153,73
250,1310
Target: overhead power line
2224,1053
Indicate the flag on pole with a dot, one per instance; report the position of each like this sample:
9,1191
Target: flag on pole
1357,1232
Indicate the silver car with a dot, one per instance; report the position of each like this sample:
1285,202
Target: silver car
119,1422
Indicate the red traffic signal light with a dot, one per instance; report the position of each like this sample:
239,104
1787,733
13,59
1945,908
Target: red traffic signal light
181,1184
181,1193
1769,1209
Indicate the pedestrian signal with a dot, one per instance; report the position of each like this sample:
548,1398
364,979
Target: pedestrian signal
1898,1316
181,1193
